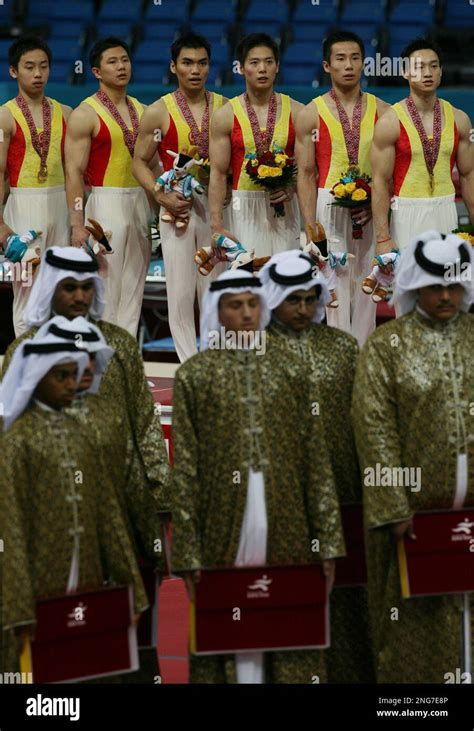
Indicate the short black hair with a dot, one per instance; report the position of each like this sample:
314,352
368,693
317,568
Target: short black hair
95,54
189,40
23,45
341,36
253,40
421,44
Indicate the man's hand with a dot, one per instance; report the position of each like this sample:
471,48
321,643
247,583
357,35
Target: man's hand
218,251
329,571
79,236
405,526
5,232
362,215
385,247
191,578
281,195
175,203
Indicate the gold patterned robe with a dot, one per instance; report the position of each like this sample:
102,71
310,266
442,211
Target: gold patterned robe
124,384
54,486
330,355
413,392
234,410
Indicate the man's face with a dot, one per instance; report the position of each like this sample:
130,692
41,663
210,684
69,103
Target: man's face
57,388
345,64
73,298
260,68
297,310
191,68
240,312
115,68
33,71
424,71
88,376
441,302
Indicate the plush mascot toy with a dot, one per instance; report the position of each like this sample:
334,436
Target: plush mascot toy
328,262
180,180
230,250
18,247
378,283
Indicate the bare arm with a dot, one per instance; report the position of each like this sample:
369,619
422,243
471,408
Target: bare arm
77,147
307,125
382,158
66,110
219,157
465,160
145,160
7,129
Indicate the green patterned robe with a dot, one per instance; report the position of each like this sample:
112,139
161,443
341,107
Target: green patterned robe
413,392
53,485
233,410
124,384
330,356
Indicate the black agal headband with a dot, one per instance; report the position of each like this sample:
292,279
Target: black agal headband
75,266
90,337
434,267
290,279
45,348
244,282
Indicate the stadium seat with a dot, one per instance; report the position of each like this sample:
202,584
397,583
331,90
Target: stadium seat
362,12
120,10
315,32
165,31
412,13
64,50
40,12
401,36
168,12
459,14
306,12
61,71
214,11
273,29
4,46
220,54
79,10
121,28
62,29
301,54
147,52
214,32
259,12
301,75
147,73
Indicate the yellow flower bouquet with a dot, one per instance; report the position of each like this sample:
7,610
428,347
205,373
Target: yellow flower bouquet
352,191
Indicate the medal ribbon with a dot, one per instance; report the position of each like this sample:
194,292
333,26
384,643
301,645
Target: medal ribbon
351,132
128,137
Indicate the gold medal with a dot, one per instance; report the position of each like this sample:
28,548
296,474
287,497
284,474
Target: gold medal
42,174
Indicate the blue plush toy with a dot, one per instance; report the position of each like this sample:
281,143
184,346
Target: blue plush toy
16,245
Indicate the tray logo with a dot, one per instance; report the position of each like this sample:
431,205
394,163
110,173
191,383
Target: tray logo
260,588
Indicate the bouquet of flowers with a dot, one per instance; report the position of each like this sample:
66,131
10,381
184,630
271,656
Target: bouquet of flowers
272,170
352,191
466,233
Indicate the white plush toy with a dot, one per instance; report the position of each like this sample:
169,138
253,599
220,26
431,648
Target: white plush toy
329,265
379,282
180,180
233,252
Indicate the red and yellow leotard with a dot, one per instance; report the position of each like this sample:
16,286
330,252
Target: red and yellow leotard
411,178
330,148
243,143
110,163
177,136
23,161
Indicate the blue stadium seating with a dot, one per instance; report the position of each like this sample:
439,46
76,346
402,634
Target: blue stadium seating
121,28
66,29
302,54
306,12
120,10
220,54
160,31
146,72
214,32
259,11
4,46
459,14
168,12
40,12
64,50
61,71
147,52
301,75
401,36
273,29
214,11
315,32
78,10
412,13
361,12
